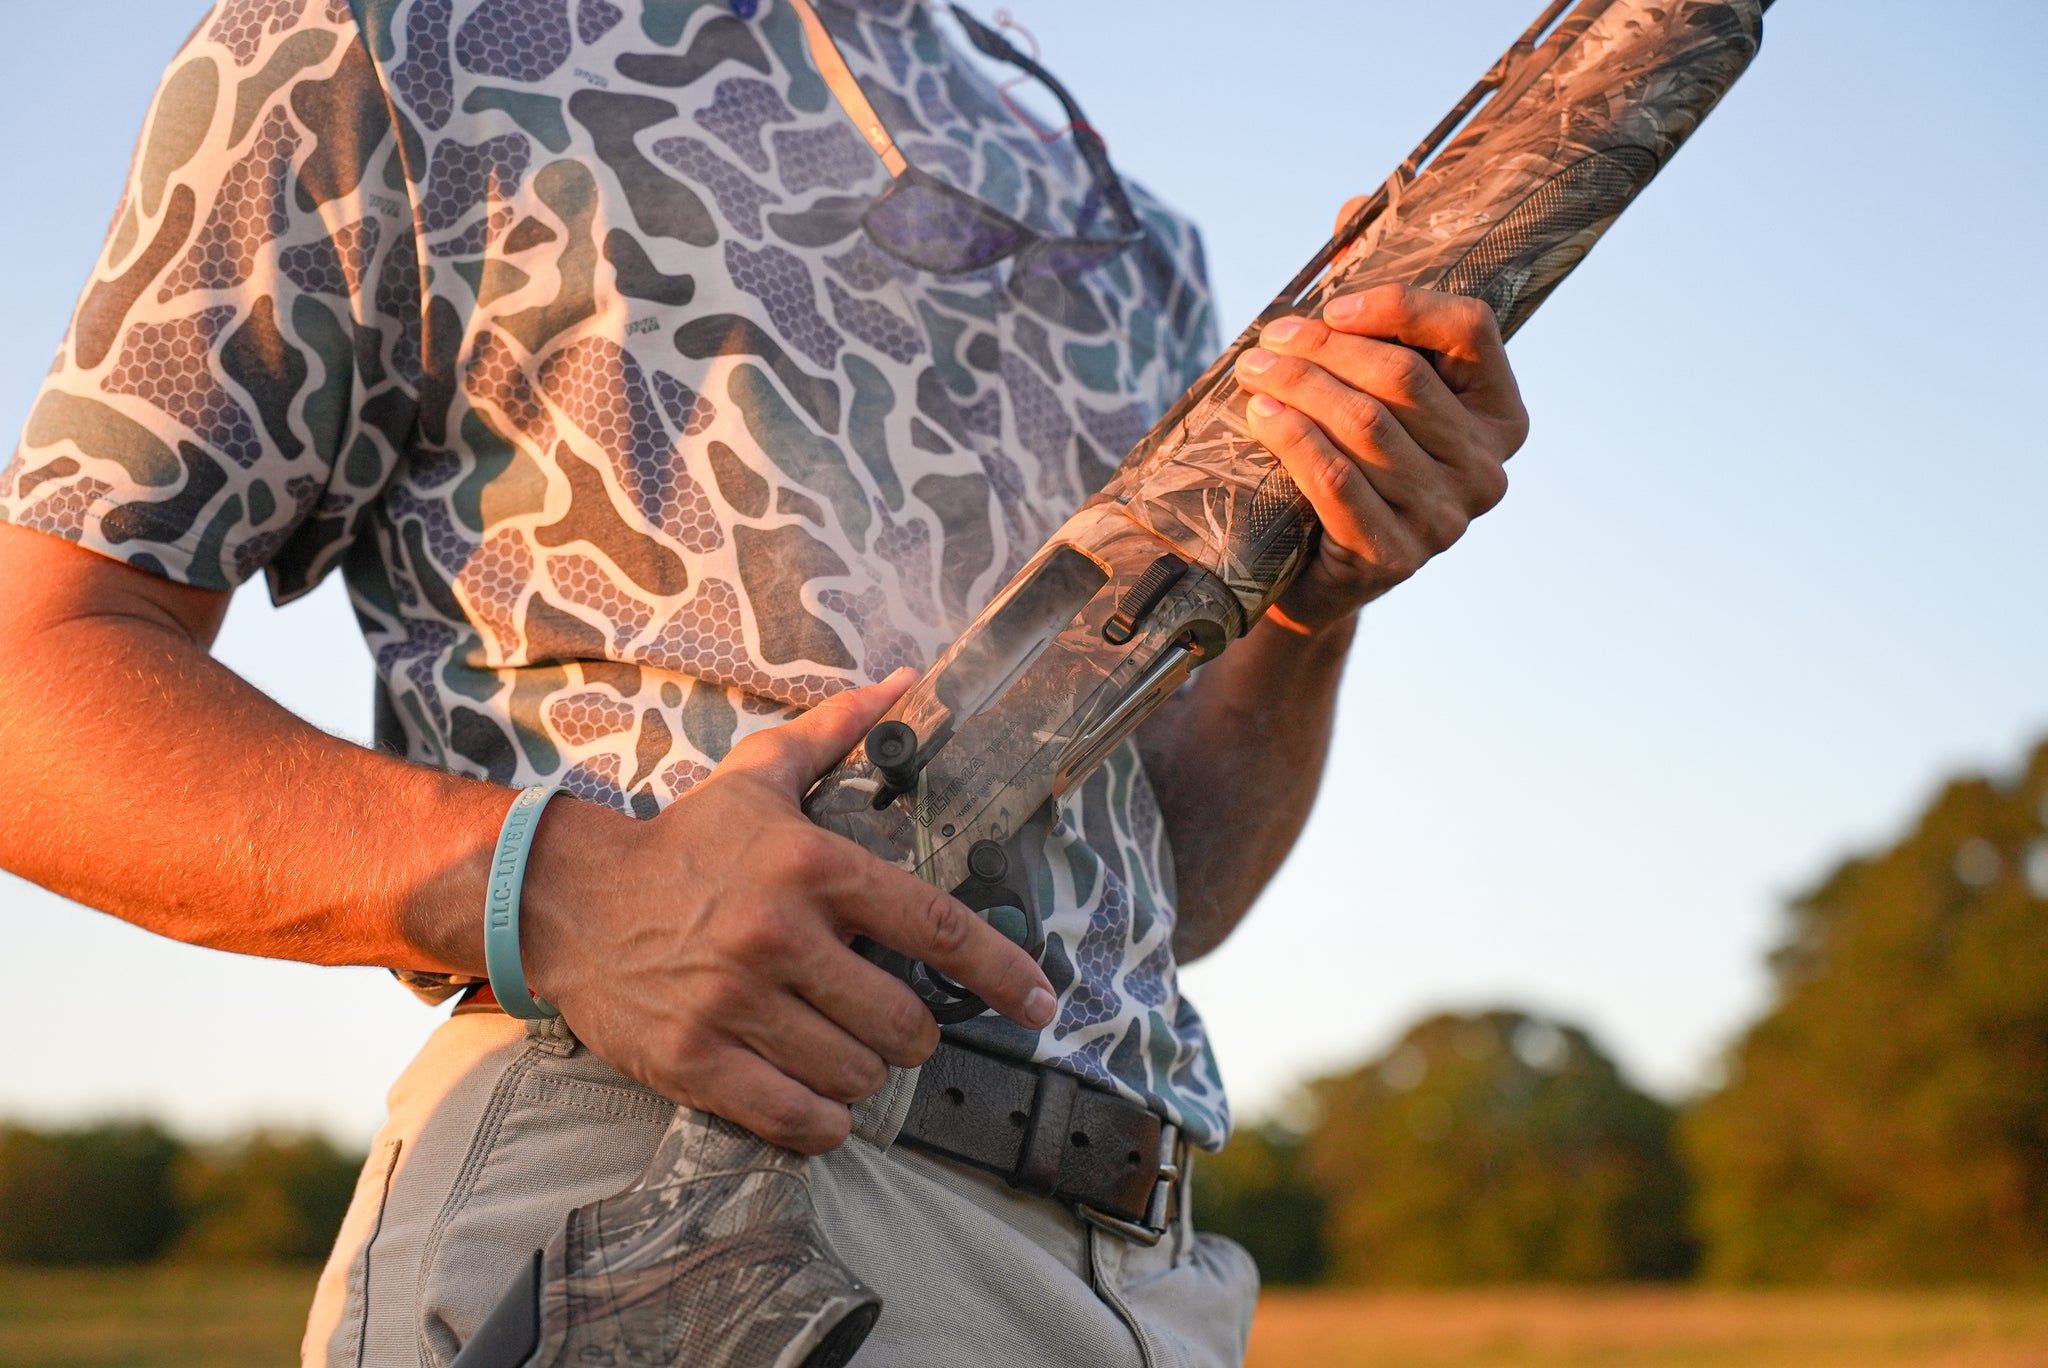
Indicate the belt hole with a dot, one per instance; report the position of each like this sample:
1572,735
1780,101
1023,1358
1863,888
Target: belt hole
956,1097
1020,1119
1080,1139
1134,1159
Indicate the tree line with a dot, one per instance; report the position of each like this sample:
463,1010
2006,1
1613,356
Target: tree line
121,1192
1885,1120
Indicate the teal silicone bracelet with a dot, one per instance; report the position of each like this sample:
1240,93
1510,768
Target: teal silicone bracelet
501,906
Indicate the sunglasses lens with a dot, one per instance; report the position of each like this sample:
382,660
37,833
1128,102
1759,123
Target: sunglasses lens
1071,256
930,225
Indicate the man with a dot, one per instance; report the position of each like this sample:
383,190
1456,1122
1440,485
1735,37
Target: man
654,472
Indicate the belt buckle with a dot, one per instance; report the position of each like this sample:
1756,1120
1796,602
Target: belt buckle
1159,1206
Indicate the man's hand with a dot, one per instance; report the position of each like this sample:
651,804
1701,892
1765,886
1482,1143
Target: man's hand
706,954
1395,414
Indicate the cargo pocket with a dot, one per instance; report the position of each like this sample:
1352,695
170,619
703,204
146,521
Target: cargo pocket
562,1131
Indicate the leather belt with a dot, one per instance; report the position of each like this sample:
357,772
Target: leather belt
1044,1131
1041,1130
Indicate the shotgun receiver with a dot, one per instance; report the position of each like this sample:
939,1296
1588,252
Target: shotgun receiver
713,1257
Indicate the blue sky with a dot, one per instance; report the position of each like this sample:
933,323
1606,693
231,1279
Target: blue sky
1772,566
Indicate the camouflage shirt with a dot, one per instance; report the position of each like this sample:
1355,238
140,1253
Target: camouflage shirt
552,324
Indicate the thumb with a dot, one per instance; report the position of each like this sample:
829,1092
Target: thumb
1350,207
794,754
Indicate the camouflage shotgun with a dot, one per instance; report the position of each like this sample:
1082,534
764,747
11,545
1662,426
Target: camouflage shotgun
713,1257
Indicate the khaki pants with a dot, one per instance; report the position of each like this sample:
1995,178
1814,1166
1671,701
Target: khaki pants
498,1128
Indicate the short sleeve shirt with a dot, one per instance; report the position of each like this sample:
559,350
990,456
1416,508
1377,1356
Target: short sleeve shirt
553,325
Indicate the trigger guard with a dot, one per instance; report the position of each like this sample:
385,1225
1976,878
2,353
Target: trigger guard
947,1001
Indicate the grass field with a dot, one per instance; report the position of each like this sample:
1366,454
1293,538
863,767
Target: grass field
198,1317
1538,1328
243,1318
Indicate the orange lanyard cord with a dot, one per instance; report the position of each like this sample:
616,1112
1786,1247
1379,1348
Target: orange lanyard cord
839,79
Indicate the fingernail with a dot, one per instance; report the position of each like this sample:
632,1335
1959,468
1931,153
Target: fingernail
1342,307
1280,329
1038,1007
1256,361
900,673
1264,406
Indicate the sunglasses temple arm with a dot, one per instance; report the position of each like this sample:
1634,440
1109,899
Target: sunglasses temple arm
1094,153
1086,140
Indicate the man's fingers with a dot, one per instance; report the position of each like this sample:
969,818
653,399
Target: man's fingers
1463,339
1358,522
1396,375
1350,207
1383,403
794,754
797,1039
1454,325
1355,421
751,1092
870,1004
909,915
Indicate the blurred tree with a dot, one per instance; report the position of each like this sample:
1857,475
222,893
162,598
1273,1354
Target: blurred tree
1257,1193
96,1195
1497,1147
1888,1119
266,1198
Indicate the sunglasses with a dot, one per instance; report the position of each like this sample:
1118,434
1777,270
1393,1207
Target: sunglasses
923,222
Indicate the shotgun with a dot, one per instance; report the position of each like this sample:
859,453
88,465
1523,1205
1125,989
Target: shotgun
714,1257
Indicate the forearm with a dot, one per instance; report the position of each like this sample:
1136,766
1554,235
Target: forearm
151,782
1235,761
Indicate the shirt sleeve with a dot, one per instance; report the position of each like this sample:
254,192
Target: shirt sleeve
243,368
